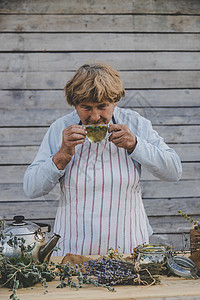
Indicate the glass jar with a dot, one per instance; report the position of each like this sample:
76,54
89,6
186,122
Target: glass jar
153,253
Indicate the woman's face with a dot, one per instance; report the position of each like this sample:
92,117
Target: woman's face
95,113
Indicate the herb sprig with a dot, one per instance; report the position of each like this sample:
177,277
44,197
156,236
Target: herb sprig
24,271
188,218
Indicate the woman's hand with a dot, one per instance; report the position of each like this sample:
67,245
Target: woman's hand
122,137
71,137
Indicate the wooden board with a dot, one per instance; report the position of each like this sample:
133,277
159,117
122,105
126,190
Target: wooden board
14,174
17,155
100,7
171,224
32,210
177,237
131,79
179,134
150,189
82,42
167,225
33,136
159,189
164,209
69,61
178,241
55,99
99,23
190,171
158,116
171,230
25,154
170,288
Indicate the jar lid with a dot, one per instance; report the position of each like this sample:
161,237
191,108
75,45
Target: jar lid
21,227
182,267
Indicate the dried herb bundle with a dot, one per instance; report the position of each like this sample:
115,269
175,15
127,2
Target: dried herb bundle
23,271
115,271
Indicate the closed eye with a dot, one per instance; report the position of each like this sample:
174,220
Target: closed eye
102,106
86,107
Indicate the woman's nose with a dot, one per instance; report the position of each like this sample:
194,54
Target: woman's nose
95,115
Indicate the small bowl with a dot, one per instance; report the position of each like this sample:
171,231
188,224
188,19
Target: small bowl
96,133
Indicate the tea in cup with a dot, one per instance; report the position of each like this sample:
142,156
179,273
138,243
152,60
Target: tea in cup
96,133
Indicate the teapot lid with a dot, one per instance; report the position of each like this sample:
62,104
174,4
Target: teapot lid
21,227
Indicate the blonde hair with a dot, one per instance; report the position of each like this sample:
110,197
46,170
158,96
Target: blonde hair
94,82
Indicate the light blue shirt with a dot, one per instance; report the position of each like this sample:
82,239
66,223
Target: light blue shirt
151,152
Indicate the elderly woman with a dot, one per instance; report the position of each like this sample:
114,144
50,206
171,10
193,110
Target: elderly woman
100,204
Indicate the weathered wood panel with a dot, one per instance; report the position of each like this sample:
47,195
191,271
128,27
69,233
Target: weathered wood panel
167,208
99,23
83,42
134,99
179,134
158,116
31,210
33,117
33,136
45,211
154,44
160,98
21,136
176,240
18,155
25,154
132,61
176,226
101,7
190,171
15,174
150,189
171,224
131,79
14,192
12,174
159,189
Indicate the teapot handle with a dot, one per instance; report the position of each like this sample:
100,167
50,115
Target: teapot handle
45,227
39,236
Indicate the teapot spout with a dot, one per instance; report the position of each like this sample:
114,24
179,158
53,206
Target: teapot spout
46,251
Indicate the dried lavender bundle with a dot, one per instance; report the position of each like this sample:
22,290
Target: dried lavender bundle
113,272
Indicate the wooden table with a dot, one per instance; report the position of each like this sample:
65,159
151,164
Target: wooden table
170,288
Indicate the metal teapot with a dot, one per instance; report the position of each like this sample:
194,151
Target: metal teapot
33,234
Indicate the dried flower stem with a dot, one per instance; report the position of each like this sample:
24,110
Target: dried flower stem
188,218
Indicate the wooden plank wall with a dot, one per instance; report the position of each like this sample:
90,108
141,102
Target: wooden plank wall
155,46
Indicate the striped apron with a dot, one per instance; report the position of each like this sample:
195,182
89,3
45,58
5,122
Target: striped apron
101,204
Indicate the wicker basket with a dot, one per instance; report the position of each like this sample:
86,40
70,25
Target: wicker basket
194,240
